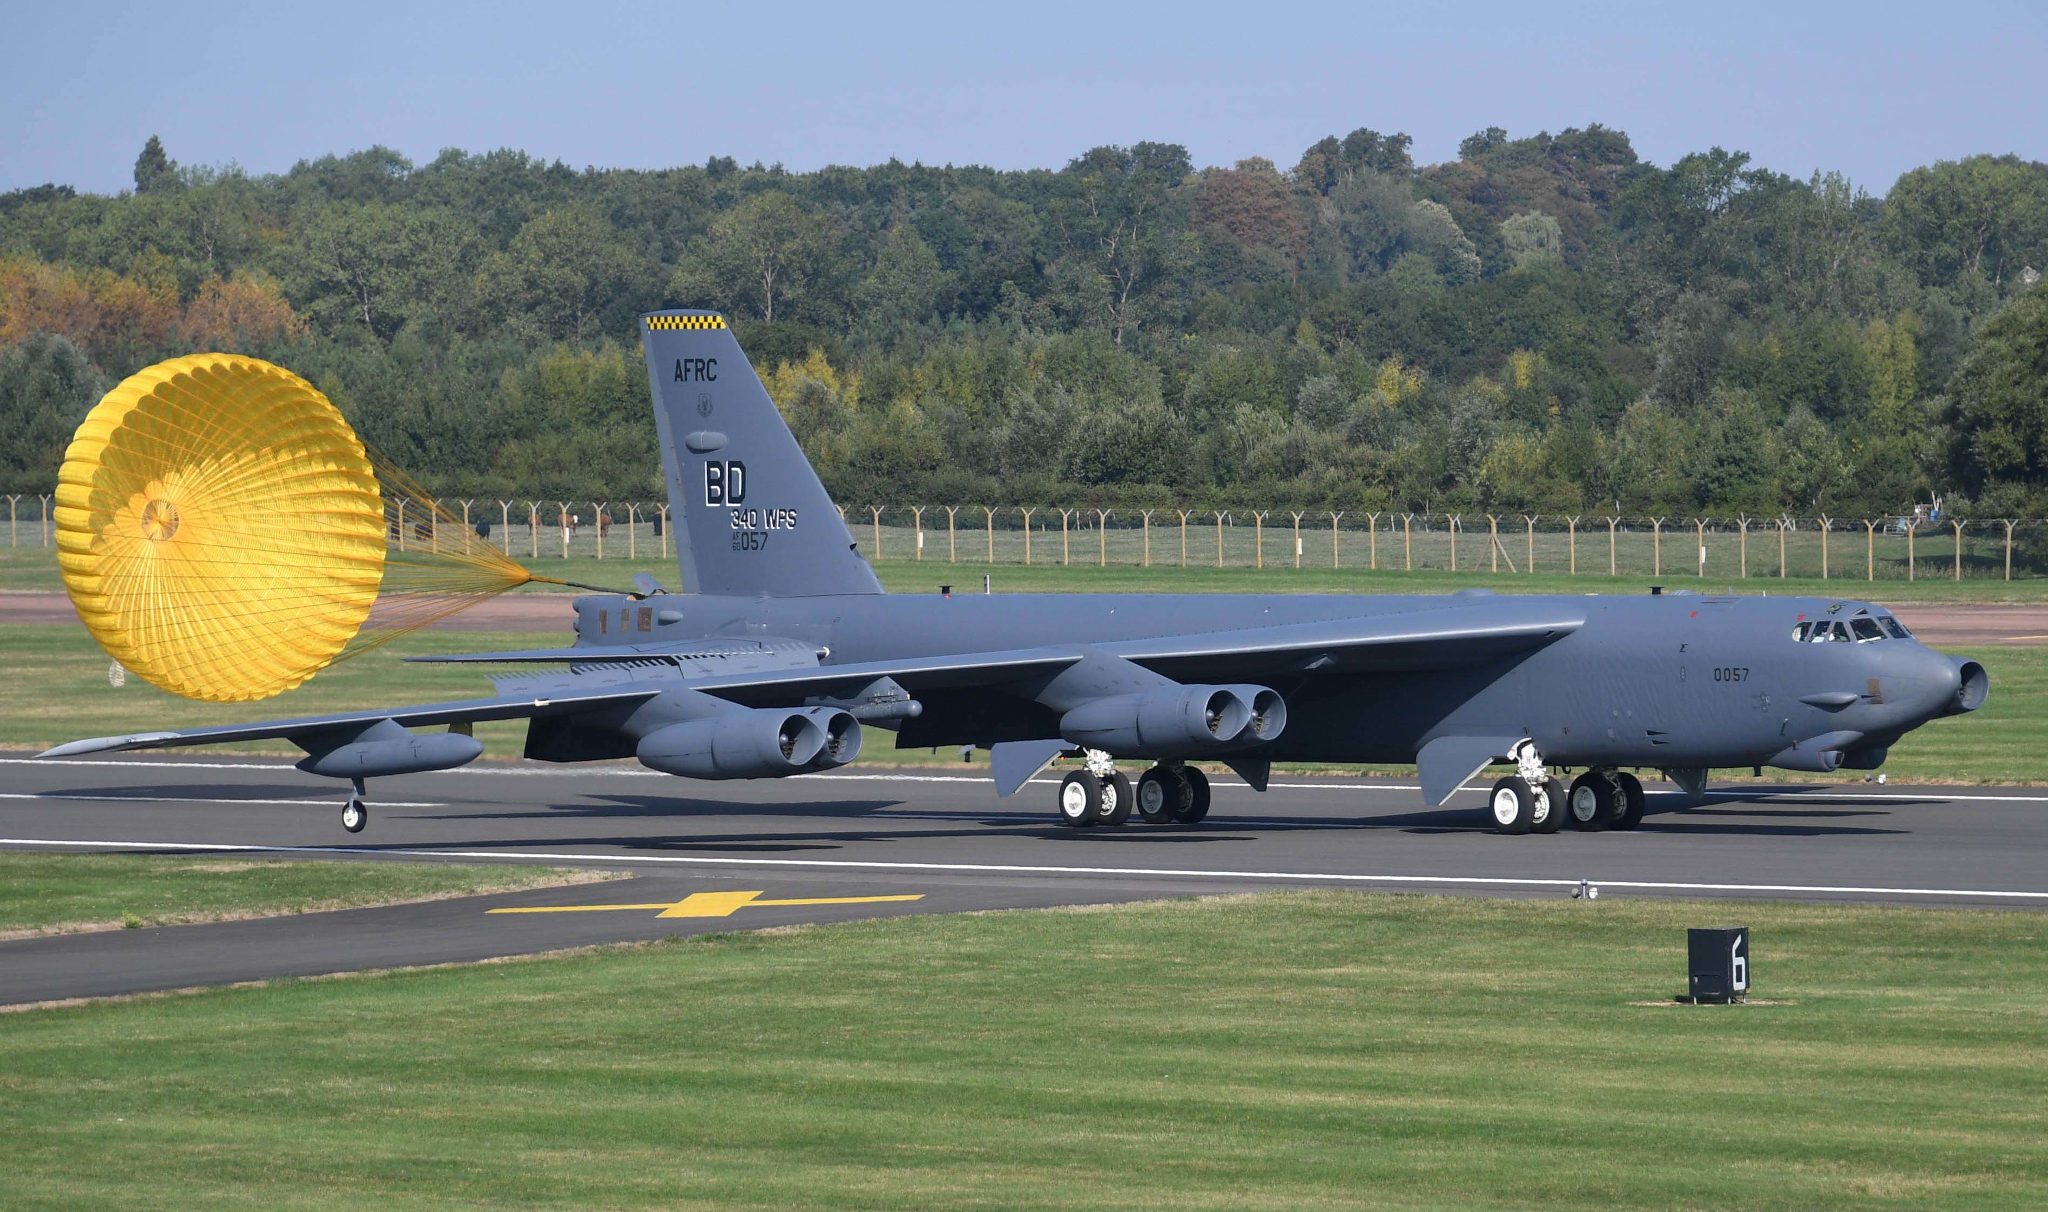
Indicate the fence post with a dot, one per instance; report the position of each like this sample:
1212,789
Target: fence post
1656,547
1493,543
505,524
1102,517
597,523
1147,516
1826,524
1572,541
952,536
1259,537
989,520
1336,557
1066,547
1454,519
401,523
1611,565
1297,539
1869,550
2008,549
564,519
533,526
876,510
44,525
662,512
468,531
1372,541
632,530
11,540
1911,571
1959,524
1529,521
1219,538
1742,521
917,530
1700,531
1027,532
1407,544
1183,537
1781,546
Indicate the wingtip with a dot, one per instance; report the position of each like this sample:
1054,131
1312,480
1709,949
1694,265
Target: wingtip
106,744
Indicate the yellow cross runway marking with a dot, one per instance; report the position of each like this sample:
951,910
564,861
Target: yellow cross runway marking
711,904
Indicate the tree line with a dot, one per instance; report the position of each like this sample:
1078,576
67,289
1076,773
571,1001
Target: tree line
1546,323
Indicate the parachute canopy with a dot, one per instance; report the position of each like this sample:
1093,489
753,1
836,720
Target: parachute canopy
225,535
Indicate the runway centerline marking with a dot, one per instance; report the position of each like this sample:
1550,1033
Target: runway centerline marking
713,904
1320,877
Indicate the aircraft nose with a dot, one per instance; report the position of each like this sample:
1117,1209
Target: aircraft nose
1972,686
1929,683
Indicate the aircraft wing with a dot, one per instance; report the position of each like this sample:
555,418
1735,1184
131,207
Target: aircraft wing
458,712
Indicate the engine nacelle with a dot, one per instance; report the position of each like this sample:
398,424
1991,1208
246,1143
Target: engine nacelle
752,743
1176,721
387,748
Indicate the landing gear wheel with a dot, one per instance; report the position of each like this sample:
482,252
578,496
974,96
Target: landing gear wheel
1512,804
1550,812
1080,798
1196,806
1116,800
1591,802
354,815
1628,808
1161,793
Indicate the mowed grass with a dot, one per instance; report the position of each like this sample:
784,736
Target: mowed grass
54,688
35,568
50,893
1290,1050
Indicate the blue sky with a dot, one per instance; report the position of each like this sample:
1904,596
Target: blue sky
1870,89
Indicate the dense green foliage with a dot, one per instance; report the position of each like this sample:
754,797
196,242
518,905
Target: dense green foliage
1547,323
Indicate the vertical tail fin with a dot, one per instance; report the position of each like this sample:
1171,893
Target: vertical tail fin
748,513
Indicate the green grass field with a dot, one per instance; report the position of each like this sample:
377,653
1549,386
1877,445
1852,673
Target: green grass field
48,893
34,568
55,689
1279,1051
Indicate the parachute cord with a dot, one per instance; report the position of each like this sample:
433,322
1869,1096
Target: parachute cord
631,593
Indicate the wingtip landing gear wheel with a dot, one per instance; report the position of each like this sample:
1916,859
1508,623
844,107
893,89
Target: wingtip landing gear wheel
1116,800
1196,806
1512,804
1161,792
1549,811
1590,804
1080,798
1628,806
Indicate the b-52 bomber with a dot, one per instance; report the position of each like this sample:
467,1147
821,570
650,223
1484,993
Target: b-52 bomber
784,644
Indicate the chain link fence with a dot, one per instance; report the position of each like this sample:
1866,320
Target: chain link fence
1902,548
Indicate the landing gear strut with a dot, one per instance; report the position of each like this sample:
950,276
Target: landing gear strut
355,814
1098,794
1529,800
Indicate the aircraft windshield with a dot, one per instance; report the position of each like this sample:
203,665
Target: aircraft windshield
1862,629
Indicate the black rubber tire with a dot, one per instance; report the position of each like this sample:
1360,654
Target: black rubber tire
1591,801
1197,804
355,815
1117,798
1628,809
1166,789
1516,812
1553,808
1079,806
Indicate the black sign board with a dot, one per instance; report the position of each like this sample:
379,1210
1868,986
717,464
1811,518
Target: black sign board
1717,964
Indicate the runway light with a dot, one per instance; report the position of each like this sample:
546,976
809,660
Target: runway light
1717,962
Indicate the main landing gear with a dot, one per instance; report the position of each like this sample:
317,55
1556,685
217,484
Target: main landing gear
1098,794
1531,800
355,814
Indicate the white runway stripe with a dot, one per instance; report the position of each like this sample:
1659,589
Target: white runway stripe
179,799
1818,791
1021,869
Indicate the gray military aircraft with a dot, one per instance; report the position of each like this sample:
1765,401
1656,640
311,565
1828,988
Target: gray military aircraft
785,644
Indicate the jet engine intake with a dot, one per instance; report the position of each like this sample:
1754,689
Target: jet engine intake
748,743
1176,721
842,737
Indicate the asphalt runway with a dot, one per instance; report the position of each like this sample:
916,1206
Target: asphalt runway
706,856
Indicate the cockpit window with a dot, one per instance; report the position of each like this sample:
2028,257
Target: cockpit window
1820,631
1866,629
1897,629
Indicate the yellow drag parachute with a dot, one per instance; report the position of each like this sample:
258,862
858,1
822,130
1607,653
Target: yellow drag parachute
225,535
